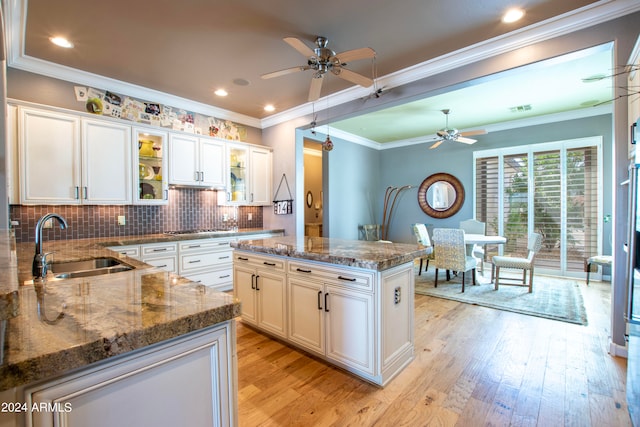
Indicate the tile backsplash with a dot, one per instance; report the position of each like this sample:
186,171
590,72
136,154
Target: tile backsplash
188,209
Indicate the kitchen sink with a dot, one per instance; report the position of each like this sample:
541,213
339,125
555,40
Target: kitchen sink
87,268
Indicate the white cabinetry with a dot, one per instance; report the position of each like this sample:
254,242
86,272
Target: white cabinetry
69,160
332,312
260,283
187,381
250,177
358,319
196,161
207,261
161,255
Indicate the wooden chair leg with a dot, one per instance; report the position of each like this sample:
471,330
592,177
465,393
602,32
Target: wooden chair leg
436,278
531,280
473,272
497,278
524,276
420,269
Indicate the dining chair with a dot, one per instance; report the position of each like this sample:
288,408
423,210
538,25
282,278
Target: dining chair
422,236
525,264
451,253
473,226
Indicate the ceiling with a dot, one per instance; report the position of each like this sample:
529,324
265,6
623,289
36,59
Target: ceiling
190,48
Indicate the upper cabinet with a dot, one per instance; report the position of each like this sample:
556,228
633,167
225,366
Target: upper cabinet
196,161
65,159
150,176
250,180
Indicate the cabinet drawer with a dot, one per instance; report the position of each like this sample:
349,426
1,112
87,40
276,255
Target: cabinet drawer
272,263
341,276
159,249
198,261
132,251
167,264
214,278
204,245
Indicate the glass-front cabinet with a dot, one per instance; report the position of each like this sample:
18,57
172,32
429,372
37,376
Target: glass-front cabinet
237,190
150,172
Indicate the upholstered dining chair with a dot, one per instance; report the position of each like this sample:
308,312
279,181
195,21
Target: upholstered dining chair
473,226
451,253
525,264
422,236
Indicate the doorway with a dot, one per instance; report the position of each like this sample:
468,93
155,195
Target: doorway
313,189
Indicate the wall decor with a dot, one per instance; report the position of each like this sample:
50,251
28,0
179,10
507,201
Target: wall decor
283,206
441,195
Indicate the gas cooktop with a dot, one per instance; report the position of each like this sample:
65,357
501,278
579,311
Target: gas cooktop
198,231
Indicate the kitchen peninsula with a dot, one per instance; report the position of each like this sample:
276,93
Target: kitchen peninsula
139,347
347,302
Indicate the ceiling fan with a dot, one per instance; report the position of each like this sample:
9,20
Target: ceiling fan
455,135
322,60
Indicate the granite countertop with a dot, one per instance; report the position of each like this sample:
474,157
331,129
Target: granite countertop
353,253
47,329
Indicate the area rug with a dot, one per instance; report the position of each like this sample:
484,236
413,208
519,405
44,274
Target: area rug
552,297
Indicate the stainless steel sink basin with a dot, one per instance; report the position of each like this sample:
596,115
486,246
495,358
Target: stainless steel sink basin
87,268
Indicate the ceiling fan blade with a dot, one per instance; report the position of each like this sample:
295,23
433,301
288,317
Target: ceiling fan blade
465,140
474,132
356,78
316,86
355,54
299,45
436,144
285,71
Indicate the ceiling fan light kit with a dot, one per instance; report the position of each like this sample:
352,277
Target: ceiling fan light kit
322,60
452,134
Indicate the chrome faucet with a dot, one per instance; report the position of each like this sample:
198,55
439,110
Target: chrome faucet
39,268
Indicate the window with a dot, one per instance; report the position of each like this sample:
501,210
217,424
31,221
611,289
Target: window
550,188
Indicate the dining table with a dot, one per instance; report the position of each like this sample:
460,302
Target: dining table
482,240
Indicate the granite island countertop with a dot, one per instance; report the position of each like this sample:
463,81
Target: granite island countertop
47,329
353,253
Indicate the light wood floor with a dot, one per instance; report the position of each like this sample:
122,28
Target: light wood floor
474,366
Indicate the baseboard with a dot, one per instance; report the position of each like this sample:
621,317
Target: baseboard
618,350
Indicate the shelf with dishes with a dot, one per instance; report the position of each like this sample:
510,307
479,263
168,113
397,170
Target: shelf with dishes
151,180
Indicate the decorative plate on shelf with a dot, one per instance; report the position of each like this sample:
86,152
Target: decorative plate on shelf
146,172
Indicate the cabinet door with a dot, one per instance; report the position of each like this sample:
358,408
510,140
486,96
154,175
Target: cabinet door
272,296
350,329
212,156
260,176
238,156
106,167
306,311
183,160
244,289
49,157
149,168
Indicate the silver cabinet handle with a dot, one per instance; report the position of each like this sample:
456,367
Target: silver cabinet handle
196,176
85,192
159,249
194,261
77,192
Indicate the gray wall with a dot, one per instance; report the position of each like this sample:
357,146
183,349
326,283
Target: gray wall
411,165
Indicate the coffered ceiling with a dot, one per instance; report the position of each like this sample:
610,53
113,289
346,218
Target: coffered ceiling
190,48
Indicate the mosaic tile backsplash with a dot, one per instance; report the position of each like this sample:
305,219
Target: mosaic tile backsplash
188,209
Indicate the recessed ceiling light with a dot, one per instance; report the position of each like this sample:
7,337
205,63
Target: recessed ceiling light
269,108
221,92
512,15
61,41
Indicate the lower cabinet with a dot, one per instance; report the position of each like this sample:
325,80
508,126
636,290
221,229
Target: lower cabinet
260,283
161,255
208,261
190,381
335,322
360,320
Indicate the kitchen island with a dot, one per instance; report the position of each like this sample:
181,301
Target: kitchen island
135,347
347,302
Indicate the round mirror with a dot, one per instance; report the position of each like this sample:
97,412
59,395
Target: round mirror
441,195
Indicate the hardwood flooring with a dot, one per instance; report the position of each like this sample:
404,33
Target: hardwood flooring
473,366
